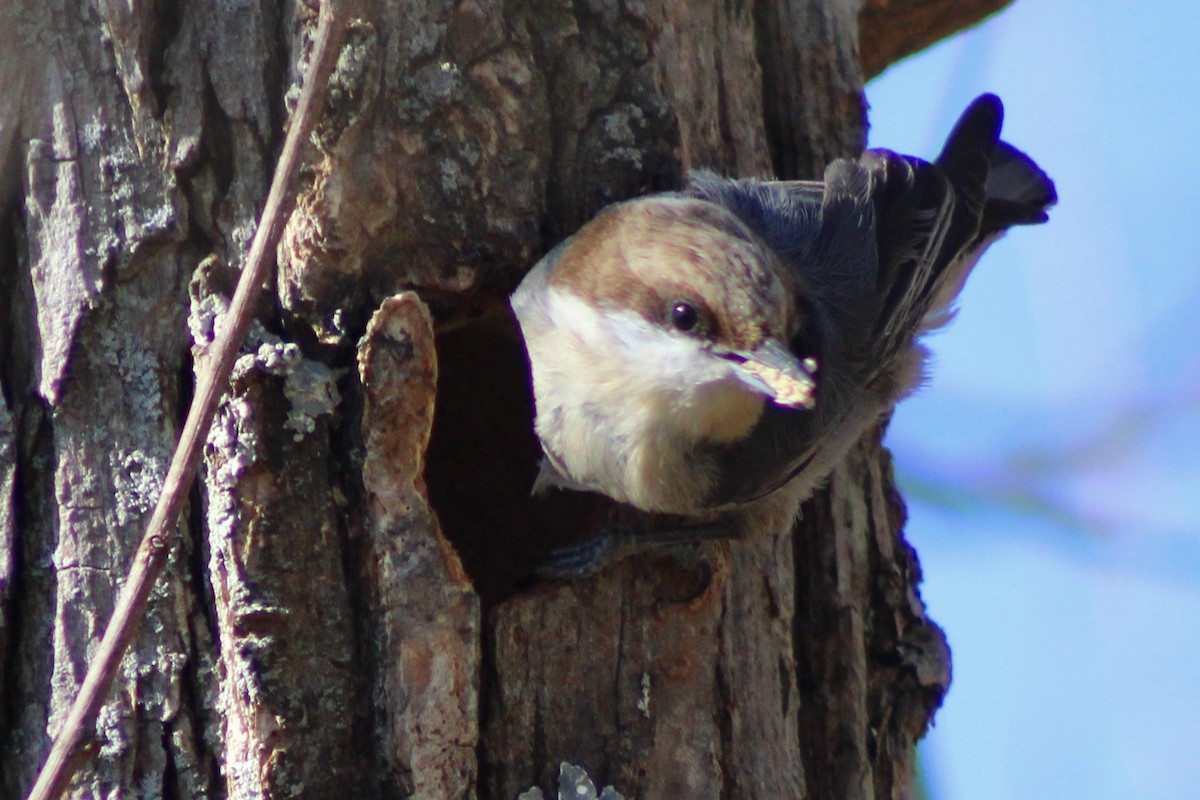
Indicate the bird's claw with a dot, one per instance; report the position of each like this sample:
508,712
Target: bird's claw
585,558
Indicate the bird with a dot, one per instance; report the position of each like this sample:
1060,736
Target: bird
714,352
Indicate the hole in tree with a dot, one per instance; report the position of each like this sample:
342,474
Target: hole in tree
483,457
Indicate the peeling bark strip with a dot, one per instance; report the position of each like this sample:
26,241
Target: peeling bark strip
312,634
283,620
424,614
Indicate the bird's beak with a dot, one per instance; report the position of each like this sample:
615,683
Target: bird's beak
771,368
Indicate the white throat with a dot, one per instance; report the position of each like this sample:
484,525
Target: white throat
629,401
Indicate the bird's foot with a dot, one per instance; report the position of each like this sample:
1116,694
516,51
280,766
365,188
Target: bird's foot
615,542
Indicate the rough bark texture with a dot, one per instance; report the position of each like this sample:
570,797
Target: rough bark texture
341,617
872,667
425,661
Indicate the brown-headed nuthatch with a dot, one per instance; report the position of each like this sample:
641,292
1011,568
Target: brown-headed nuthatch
714,352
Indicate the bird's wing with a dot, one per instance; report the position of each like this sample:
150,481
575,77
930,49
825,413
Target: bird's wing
881,247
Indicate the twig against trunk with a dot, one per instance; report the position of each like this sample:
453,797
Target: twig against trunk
152,553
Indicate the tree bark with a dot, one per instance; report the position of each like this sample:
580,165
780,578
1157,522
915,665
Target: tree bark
345,611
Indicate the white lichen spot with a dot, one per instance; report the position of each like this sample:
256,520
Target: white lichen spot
137,482
92,134
643,703
202,320
136,365
309,386
233,437
574,783
278,358
340,323
111,729
452,176
311,393
158,219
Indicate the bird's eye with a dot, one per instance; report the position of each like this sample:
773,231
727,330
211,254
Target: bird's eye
684,316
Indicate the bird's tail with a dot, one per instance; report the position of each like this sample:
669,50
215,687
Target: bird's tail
1018,192
995,185
993,178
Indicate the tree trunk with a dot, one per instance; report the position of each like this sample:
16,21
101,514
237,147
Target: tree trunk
344,613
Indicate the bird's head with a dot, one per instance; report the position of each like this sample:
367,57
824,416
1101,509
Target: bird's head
673,304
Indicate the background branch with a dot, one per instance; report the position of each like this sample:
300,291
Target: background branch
890,30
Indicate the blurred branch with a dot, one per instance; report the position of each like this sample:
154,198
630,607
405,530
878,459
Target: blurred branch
1016,479
965,491
890,30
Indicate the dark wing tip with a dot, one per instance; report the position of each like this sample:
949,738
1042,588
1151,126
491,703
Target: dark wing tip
968,148
1018,190
966,158
1015,190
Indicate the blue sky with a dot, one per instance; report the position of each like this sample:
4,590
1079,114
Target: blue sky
1051,467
